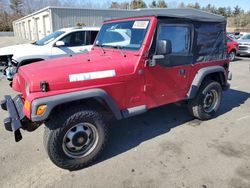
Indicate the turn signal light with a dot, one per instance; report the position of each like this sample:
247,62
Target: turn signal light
41,109
27,105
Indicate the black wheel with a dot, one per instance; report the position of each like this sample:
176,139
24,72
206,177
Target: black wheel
232,55
207,101
75,141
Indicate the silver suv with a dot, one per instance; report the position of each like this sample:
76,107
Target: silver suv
244,45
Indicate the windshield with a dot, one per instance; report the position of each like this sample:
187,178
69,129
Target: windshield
49,38
246,37
127,34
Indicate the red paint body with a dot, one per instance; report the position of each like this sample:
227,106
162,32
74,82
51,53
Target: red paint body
135,83
232,45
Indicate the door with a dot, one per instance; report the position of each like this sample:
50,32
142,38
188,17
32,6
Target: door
74,42
23,30
30,30
167,84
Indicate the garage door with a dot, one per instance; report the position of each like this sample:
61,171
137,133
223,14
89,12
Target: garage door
47,29
39,28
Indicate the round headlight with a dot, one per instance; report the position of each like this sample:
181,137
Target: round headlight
27,89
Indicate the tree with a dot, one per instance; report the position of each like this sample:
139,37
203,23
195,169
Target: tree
222,11
196,5
153,4
182,5
208,8
229,12
237,11
16,6
162,4
136,4
115,5
1,6
158,4
124,5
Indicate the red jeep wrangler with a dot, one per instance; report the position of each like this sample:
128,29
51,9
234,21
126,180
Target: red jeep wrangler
138,63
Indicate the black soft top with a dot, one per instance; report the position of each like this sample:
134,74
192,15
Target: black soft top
186,13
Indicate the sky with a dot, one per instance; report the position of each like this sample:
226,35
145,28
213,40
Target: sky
244,4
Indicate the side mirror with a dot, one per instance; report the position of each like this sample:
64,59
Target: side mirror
164,47
59,44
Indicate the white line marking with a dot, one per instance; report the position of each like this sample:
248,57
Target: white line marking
244,117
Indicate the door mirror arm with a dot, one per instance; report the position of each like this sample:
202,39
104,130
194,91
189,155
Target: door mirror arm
154,59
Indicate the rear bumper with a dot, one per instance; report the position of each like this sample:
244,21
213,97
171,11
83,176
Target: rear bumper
227,85
13,122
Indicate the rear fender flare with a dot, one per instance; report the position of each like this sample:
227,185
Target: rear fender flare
199,77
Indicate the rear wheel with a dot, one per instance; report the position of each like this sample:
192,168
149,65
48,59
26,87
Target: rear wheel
207,101
77,141
232,55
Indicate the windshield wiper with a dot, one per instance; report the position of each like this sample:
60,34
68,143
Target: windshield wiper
120,49
101,46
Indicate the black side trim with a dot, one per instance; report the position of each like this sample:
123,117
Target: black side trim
56,100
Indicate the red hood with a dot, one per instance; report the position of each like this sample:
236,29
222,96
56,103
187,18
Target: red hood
56,72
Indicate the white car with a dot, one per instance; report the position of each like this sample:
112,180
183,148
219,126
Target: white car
63,42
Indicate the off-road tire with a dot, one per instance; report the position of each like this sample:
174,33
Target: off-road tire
232,55
57,127
196,105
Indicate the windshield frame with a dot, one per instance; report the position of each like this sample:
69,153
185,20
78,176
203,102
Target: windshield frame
49,38
96,44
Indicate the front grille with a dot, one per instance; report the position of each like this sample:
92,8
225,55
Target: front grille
243,47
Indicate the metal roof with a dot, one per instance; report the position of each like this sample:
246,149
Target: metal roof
73,8
188,13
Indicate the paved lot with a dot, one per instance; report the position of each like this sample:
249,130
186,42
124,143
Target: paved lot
163,148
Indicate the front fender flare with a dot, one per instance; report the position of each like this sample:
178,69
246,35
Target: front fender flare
53,101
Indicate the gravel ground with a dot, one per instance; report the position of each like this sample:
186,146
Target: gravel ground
164,147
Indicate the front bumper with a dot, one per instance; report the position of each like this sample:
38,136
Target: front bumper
14,121
7,67
244,50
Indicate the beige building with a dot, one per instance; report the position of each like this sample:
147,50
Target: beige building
45,21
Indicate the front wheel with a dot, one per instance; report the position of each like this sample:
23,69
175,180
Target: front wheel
207,101
232,55
77,140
